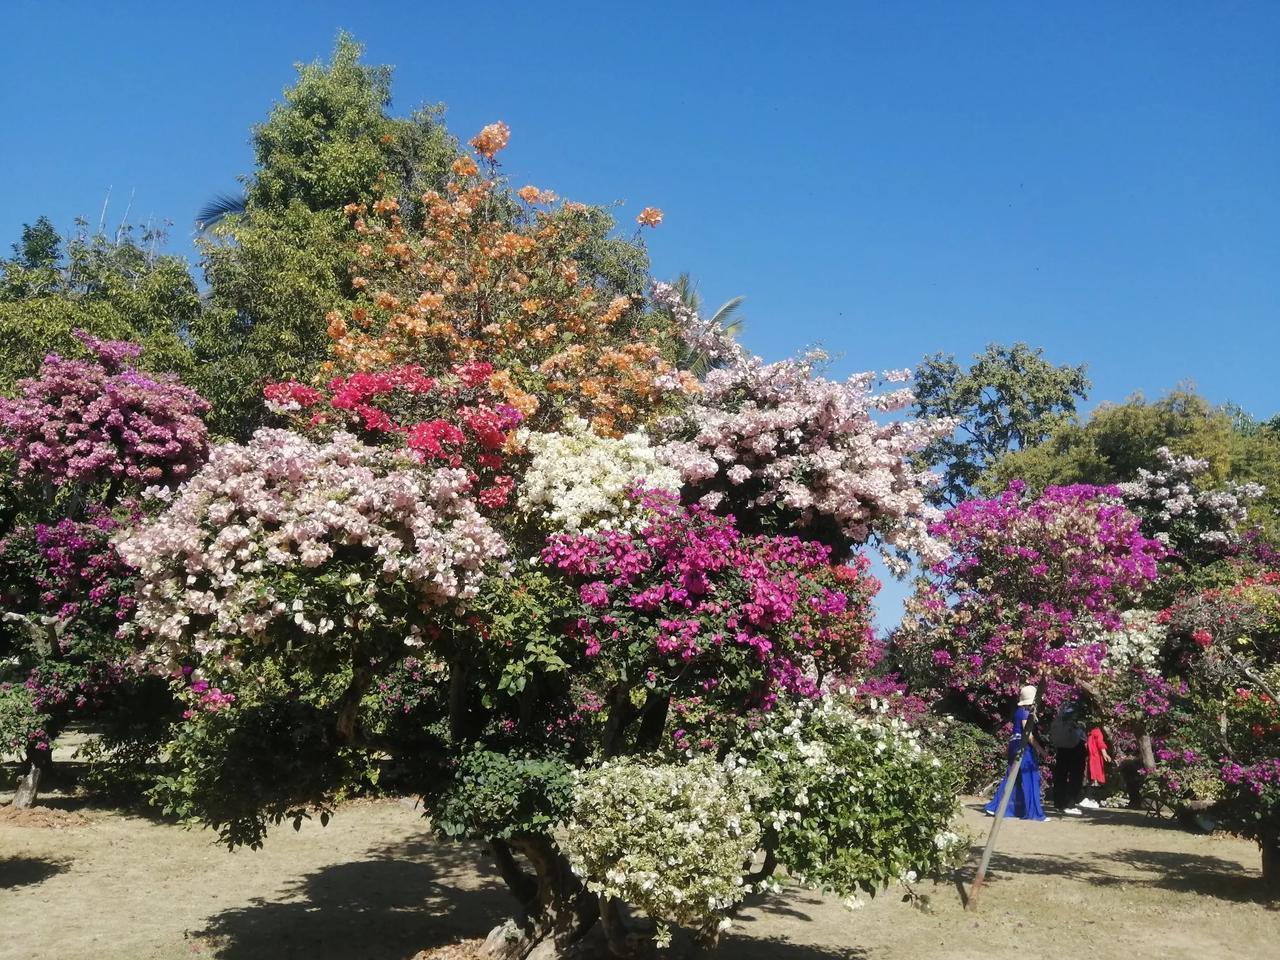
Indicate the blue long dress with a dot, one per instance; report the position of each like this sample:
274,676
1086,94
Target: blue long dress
1024,803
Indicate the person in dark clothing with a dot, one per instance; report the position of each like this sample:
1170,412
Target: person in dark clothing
1068,738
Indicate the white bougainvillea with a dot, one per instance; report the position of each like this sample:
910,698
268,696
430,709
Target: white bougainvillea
578,481
669,839
1182,514
1136,643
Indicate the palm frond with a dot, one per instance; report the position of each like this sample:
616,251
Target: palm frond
218,209
726,317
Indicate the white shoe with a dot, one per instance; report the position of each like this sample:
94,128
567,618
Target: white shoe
1072,812
1089,804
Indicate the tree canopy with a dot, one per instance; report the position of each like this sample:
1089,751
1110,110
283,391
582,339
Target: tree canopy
1009,399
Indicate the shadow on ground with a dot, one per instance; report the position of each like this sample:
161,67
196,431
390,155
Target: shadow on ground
401,899
1198,874
24,871
772,948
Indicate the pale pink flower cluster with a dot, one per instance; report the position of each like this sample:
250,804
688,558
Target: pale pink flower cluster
283,537
776,437
704,337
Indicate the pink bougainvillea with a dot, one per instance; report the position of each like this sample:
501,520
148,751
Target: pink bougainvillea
776,444
102,420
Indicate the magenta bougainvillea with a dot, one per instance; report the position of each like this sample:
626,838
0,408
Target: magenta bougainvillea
689,597
102,420
1027,592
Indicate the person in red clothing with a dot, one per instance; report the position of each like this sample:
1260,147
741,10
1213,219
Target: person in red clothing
1099,757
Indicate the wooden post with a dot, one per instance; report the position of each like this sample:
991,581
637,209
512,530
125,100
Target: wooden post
1010,780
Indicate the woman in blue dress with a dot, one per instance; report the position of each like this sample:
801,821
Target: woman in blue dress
1025,801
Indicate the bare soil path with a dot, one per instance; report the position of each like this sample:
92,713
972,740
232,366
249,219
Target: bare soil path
96,884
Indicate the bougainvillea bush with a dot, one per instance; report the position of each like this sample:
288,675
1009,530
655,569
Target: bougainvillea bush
81,441
782,448
102,421
1027,594
1220,741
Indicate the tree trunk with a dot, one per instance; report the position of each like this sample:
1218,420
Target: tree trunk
556,919
28,787
1146,750
1270,842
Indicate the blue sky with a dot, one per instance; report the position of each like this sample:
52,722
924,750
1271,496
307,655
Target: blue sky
887,180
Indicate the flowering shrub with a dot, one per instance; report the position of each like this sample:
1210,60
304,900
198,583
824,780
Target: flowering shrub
973,758
779,448
69,576
1136,643
453,420
853,802
334,604
487,278
688,596
1226,629
1193,522
284,544
669,839
577,480
1026,591
98,420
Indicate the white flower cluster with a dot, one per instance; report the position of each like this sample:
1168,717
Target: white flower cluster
669,839
578,481
852,800
1171,495
1136,644
273,534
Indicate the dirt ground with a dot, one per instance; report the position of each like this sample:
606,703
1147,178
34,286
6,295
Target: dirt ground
97,884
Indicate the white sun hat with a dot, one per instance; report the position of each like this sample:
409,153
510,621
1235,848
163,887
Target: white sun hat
1027,696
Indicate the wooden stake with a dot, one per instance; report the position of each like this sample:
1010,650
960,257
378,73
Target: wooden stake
1010,780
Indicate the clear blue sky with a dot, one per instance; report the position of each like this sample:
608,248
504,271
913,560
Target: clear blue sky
886,179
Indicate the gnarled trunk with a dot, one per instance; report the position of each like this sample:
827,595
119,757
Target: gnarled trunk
38,764
28,787
557,911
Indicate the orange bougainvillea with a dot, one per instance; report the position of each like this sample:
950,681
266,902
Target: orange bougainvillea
481,279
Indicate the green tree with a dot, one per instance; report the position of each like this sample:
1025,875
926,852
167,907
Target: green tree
114,286
279,265
1009,399
1119,439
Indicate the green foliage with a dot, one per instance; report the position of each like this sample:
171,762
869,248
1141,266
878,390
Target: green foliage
669,839
1010,398
504,795
20,721
853,803
330,141
275,757
1119,439
278,268
115,287
973,758
273,279
521,643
